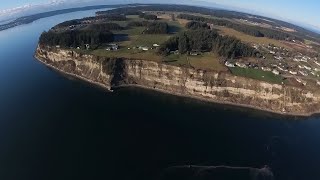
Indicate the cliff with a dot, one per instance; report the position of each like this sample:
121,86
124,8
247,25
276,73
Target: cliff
209,86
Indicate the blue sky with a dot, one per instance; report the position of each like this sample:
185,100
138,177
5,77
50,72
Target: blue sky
303,11
306,11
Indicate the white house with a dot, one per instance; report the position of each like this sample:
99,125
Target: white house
303,73
275,72
144,48
293,72
241,65
316,63
278,58
265,69
301,81
228,64
306,67
87,46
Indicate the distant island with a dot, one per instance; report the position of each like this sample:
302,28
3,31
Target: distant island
214,55
32,18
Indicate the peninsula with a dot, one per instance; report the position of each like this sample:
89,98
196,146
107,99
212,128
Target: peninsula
214,55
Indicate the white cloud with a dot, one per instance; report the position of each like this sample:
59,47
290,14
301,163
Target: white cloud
30,8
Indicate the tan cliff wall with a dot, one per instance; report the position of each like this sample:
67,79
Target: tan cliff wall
211,86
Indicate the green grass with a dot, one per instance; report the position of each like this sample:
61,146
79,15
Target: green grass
257,74
177,60
130,54
149,39
248,38
121,23
205,61
134,17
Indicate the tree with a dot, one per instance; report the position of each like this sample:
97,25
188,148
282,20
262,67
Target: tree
183,43
206,40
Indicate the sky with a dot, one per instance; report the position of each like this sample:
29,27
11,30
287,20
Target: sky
299,11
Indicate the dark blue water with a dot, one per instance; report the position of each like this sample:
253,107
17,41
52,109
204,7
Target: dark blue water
53,127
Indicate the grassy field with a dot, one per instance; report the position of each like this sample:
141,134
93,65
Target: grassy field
129,54
206,61
149,39
250,39
257,74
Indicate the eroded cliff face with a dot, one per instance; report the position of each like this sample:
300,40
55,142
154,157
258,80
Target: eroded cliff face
211,86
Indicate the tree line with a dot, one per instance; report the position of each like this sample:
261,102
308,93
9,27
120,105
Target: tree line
197,25
157,28
247,29
148,16
203,40
76,38
106,27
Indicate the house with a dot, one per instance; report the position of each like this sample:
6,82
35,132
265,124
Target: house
293,72
301,81
194,53
87,46
156,45
112,47
144,48
303,73
278,58
241,65
280,68
305,59
265,69
228,64
316,63
307,68
275,72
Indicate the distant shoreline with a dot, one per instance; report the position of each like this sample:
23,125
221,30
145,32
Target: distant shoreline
8,24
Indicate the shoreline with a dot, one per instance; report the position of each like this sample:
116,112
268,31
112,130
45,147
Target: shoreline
110,89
